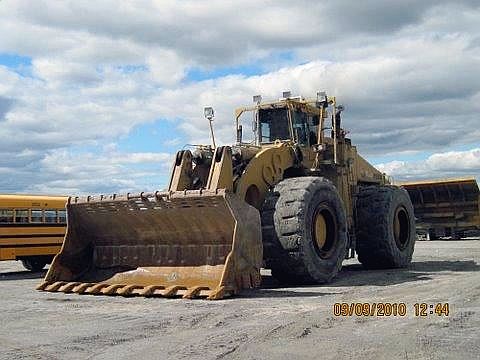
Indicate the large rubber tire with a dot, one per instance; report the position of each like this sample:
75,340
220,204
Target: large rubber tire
296,248
35,263
458,234
385,227
432,234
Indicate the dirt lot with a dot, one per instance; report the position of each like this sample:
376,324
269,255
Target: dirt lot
270,323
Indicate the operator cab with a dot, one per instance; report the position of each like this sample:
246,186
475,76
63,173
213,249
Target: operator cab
274,124
295,119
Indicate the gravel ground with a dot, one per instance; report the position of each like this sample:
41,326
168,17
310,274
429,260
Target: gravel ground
269,323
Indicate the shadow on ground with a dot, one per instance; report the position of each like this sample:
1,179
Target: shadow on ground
22,275
445,265
265,292
357,275
351,275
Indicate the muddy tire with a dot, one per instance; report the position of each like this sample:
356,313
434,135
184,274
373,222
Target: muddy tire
304,230
35,263
432,235
458,235
385,227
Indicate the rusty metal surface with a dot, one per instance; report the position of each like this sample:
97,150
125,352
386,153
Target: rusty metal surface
445,202
189,243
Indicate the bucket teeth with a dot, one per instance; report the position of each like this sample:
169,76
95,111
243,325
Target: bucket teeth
140,290
55,286
67,288
221,293
127,290
150,290
112,289
172,290
81,288
194,292
42,286
96,289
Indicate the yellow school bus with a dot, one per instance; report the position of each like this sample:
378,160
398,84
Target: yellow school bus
32,228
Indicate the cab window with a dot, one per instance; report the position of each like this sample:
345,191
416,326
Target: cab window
273,125
301,128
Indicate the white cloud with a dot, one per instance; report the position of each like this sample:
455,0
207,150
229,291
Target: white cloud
446,164
67,172
407,72
166,67
139,158
58,72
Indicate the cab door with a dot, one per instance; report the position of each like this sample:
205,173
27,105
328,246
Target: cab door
305,134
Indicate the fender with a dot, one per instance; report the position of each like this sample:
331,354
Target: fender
263,171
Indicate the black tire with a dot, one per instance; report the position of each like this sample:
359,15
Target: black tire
432,234
35,263
458,235
293,249
385,227
448,232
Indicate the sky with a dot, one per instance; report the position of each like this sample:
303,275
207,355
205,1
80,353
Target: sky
96,97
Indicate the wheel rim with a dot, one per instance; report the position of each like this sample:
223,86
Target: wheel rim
324,231
401,227
320,231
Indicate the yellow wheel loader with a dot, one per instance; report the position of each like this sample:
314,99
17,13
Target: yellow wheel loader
292,195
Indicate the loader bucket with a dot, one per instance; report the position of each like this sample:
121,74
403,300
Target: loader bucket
189,243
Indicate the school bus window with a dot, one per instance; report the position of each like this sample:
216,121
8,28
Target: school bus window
6,216
37,216
50,216
21,216
62,216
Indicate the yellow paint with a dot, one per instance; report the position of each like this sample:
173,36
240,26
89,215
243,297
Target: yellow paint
36,238
14,253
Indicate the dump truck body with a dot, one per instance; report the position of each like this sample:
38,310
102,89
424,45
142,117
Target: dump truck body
285,200
445,207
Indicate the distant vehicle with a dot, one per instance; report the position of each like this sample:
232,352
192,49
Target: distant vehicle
32,228
445,207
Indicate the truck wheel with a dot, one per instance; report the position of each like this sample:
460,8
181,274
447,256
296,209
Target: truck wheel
34,263
458,235
304,230
432,234
385,227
